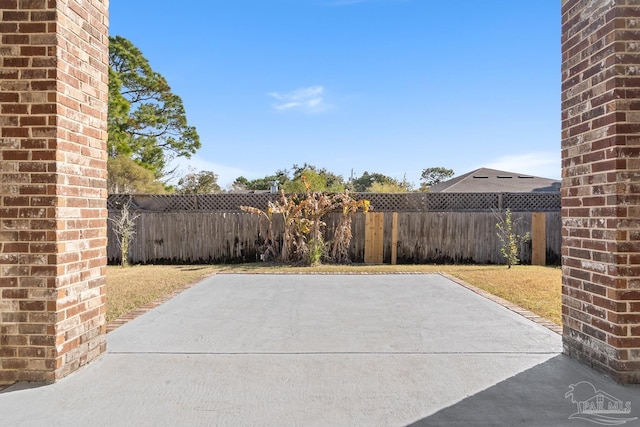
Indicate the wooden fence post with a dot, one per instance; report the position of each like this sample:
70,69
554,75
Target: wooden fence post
538,238
374,238
394,238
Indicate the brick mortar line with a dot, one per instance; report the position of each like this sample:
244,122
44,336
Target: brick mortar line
508,305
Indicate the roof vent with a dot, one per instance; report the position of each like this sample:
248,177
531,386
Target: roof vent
525,176
480,176
504,176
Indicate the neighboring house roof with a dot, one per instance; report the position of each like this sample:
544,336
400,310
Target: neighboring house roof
485,180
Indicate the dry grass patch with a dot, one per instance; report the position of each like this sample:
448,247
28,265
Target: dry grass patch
537,289
131,287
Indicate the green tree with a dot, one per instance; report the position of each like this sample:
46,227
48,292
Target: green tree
366,180
387,187
203,182
126,176
146,121
316,182
432,176
379,183
318,179
510,240
242,183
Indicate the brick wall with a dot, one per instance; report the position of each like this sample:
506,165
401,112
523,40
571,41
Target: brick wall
601,184
53,97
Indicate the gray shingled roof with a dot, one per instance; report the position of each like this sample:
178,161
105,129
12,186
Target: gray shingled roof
485,180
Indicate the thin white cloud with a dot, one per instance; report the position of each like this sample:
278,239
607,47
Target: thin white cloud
543,164
309,99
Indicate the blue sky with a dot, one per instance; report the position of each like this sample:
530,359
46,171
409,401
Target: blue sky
388,86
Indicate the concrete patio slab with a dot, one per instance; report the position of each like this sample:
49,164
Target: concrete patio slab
320,350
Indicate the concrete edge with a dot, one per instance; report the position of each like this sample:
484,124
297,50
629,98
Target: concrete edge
129,316
507,304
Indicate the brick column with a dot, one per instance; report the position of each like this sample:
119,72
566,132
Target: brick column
53,107
601,185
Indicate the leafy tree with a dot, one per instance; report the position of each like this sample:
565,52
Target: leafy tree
146,121
432,176
390,187
242,183
291,182
379,183
317,179
239,185
203,182
126,176
364,182
334,183
510,240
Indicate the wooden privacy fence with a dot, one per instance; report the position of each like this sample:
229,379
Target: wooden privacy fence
389,237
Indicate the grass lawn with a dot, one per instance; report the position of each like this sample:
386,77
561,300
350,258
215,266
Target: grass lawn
131,287
537,289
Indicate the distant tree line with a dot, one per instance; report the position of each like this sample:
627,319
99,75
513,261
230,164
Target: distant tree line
291,181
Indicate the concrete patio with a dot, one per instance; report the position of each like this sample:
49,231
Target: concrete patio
322,350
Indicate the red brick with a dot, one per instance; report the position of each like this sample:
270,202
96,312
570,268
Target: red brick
34,122
609,168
